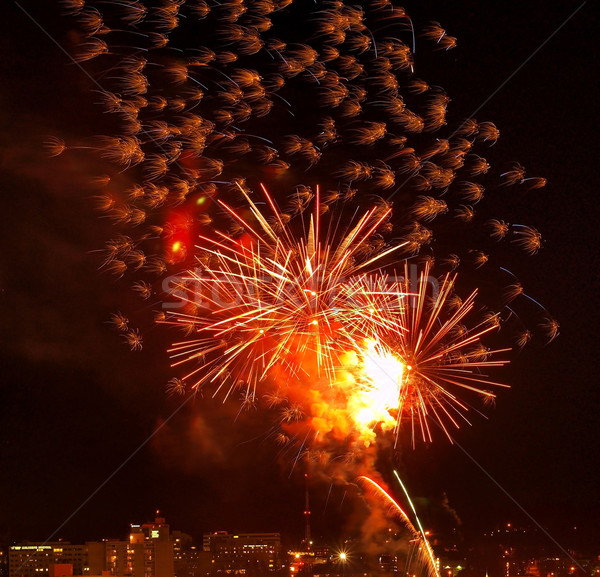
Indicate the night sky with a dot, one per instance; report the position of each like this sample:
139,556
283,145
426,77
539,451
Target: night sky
75,403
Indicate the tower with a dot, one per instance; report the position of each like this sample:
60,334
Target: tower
306,540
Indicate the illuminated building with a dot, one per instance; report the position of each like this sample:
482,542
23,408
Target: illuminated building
150,552
108,555
190,561
244,553
387,563
36,559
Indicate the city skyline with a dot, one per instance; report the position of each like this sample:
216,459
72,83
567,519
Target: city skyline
154,549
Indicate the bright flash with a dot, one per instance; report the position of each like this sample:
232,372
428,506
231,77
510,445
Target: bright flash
381,387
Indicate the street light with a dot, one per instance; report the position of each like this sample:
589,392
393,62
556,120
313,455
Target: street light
342,558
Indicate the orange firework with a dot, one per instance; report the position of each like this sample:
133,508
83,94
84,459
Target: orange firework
423,356
298,289
355,352
269,297
389,501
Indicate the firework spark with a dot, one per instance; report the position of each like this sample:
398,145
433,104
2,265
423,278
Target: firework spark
423,532
193,121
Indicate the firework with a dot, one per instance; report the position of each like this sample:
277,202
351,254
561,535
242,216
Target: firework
423,533
420,545
273,298
323,294
381,349
301,285
427,357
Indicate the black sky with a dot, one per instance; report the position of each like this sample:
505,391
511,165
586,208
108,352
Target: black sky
75,403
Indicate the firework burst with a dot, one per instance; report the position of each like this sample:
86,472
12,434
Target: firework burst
425,357
379,348
271,297
323,303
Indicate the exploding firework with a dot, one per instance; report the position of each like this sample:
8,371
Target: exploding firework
377,348
272,297
320,295
429,356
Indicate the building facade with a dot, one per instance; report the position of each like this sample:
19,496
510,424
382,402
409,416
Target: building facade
243,553
36,559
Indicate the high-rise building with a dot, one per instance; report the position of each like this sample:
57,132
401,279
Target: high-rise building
112,555
150,551
244,553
